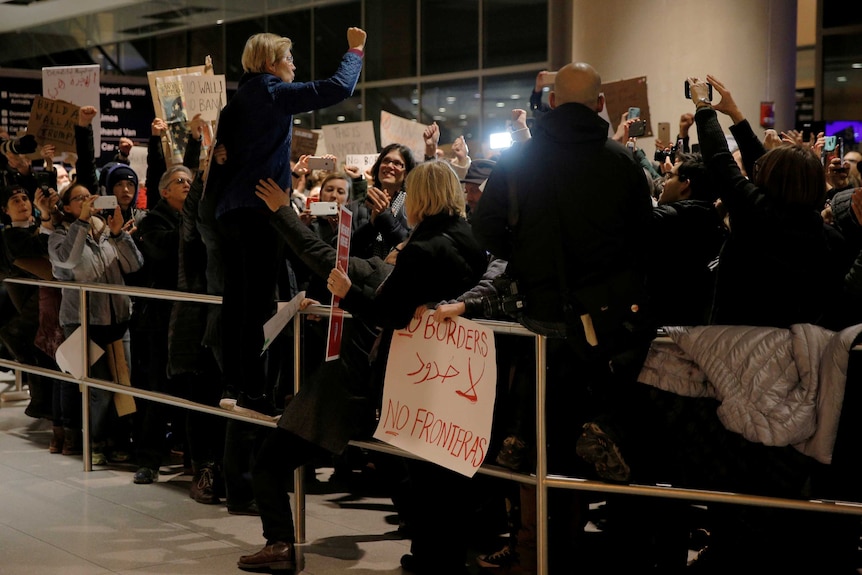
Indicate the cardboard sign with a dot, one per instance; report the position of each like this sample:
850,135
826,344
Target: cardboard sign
303,143
336,318
620,96
167,90
397,130
204,95
78,85
53,122
349,138
439,392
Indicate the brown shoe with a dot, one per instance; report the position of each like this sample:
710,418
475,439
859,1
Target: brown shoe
278,556
203,486
57,439
72,444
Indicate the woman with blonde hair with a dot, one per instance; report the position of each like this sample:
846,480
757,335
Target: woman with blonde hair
441,260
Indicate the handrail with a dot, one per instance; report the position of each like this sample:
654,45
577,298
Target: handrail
540,479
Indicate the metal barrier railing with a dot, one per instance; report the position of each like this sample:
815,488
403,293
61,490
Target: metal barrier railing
540,479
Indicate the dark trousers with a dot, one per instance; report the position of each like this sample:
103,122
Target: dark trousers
250,249
281,453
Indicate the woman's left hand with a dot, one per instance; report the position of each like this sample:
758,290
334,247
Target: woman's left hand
338,283
115,222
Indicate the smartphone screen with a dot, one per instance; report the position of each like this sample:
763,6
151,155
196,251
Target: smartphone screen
634,112
688,90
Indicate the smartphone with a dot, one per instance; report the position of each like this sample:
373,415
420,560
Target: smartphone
634,112
46,179
811,128
664,132
105,202
688,90
318,163
637,129
833,148
324,209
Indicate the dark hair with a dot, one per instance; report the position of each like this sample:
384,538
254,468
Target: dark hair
406,153
693,170
792,175
67,193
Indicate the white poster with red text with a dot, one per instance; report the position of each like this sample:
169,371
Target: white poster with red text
439,392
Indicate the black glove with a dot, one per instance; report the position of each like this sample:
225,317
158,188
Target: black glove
23,145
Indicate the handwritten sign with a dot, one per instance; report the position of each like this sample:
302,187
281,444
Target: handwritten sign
166,90
303,142
397,130
53,122
362,161
619,96
78,85
336,318
349,138
439,392
204,95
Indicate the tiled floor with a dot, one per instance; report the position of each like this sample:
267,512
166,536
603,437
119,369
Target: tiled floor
56,518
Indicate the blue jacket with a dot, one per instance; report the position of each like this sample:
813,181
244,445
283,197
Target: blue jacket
256,128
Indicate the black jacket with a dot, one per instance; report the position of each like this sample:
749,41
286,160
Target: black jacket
776,267
583,208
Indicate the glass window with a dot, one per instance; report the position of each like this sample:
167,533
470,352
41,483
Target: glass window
205,42
450,36
402,101
838,13
297,27
842,79
350,110
170,51
455,107
236,35
330,36
391,50
515,32
502,95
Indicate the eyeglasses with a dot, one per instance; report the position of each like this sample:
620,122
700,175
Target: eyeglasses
181,181
389,162
289,59
80,198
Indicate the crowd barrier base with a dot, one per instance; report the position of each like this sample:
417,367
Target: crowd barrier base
541,479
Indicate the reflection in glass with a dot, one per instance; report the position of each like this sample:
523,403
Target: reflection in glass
450,36
502,95
330,36
391,49
515,32
455,107
402,101
842,77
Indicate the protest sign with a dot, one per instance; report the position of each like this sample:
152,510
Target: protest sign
204,95
349,138
621,95
78,85
394,129
303,143
53,122
167,91
362,161
336,318
439,392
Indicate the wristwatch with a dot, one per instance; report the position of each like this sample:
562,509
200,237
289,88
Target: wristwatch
706,101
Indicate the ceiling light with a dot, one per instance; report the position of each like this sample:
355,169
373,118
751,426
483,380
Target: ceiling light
500,105
441,110
841,79
515,97
340,118
856,65
450,99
